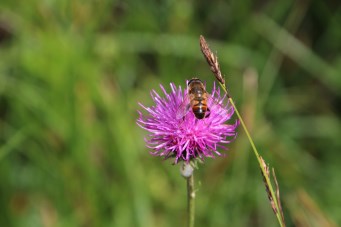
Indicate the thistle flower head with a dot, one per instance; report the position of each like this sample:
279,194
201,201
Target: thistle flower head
186,138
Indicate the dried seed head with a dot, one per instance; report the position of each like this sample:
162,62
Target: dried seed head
212,60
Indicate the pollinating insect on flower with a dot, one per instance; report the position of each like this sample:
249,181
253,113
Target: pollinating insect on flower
188,124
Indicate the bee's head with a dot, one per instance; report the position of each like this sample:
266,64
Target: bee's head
194,79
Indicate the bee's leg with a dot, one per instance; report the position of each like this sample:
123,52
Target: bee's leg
208,113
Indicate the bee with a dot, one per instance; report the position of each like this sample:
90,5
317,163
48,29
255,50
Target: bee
195,99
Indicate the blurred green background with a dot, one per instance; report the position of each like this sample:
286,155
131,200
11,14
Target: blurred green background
72,73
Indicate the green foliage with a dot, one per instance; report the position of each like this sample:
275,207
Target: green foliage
72,74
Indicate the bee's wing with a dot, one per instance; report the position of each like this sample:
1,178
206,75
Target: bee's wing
183,108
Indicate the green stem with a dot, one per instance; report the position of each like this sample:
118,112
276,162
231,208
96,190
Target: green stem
190,200
281,222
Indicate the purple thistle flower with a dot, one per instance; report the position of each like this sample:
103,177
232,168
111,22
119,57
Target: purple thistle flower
186,138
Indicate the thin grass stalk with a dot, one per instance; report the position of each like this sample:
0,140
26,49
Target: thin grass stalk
212,61
265,174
